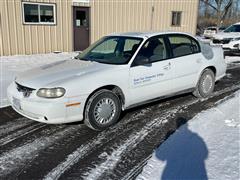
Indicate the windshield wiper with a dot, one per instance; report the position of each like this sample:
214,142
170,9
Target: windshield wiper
84,59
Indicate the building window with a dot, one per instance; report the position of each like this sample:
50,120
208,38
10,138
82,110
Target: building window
38,13
176,18
81,18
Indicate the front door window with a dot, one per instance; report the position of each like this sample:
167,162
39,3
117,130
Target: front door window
154,50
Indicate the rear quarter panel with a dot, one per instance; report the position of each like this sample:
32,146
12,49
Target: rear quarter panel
217,61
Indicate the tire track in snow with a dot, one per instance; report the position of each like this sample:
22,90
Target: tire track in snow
18,134
111,160
136,169
225,90
85,149
14,125
17,158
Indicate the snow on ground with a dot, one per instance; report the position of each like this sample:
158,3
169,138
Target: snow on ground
207,147
21,155
10,66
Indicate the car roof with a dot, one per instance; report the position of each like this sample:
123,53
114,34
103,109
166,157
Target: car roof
237,23
147,34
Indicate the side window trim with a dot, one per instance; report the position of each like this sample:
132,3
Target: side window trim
183,35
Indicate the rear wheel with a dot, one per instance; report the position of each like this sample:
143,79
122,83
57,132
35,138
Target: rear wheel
102,110
205,84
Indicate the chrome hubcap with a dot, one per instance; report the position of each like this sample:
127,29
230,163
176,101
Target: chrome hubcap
104,110
207,84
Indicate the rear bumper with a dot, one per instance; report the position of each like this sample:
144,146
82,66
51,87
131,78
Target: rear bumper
51,111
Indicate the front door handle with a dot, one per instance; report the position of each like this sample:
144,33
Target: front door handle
167,67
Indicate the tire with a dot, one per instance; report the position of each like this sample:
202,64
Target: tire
102,110
205,84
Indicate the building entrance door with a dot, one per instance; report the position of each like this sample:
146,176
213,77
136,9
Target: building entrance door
80,28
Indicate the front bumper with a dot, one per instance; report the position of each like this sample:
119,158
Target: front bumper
51,111
231,50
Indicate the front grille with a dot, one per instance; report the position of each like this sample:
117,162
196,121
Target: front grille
25,90
224,41
216,41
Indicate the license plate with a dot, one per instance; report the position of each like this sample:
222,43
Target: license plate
16,103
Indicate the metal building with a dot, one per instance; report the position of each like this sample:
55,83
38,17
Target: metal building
42,26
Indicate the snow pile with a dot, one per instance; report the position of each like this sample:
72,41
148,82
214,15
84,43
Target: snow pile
12,65
232,59
207,147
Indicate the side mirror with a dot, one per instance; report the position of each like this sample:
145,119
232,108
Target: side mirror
141,60
76,57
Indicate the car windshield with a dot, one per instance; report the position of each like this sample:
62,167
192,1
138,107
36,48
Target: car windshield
233,28
111,50
222,28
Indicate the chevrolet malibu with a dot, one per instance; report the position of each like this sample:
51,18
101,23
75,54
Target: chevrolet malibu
117,72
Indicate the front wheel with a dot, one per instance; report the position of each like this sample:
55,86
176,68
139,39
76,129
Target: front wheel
205,84
102,110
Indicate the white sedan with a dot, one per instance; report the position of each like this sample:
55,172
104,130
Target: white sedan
116,73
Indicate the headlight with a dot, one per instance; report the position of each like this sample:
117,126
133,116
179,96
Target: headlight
236,45
236,39
51,92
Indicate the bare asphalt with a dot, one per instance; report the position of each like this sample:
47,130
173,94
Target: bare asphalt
32,150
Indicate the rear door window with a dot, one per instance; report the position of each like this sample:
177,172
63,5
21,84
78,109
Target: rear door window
182,45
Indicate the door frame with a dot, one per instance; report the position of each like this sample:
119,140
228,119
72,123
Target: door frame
89,24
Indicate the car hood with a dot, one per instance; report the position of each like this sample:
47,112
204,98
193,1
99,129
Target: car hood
51,74
224,35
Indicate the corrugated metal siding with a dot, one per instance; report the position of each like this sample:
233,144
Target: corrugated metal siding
16,38
109,16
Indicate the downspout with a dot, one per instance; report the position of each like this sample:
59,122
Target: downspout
152,13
